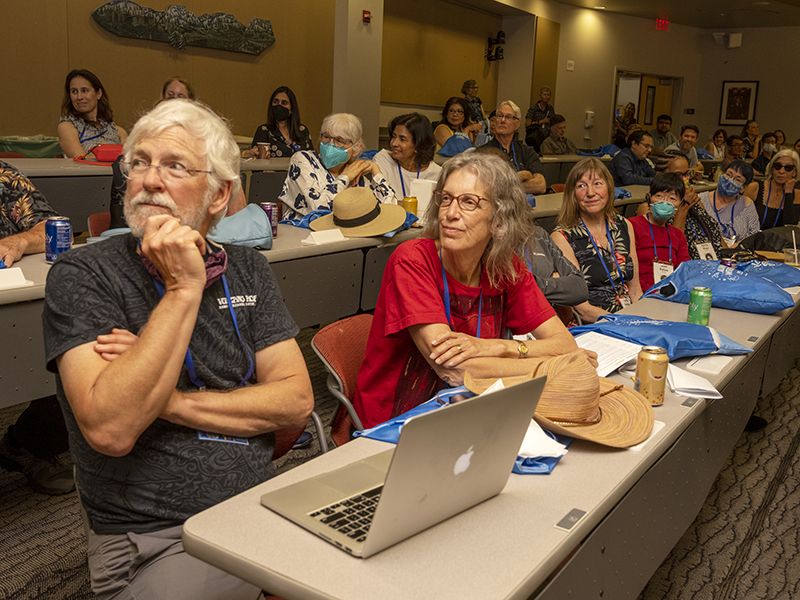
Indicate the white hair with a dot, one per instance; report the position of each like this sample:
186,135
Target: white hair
347,126
221,153
512,106
780,154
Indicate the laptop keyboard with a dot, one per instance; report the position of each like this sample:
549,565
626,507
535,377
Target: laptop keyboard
351,516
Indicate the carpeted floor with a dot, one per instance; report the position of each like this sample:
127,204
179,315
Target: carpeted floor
743,544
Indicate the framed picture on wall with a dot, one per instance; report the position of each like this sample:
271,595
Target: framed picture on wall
738,102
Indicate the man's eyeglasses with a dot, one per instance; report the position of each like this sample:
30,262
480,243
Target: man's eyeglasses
466,202
171,171
507,117
780,167
337,141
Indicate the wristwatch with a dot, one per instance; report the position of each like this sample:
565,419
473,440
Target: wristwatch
523,350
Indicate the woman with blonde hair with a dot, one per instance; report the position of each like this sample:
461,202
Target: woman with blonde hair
597,240
446,299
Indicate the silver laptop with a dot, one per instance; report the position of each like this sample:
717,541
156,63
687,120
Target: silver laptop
445,462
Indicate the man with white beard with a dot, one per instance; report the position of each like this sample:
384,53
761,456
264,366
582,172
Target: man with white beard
175,362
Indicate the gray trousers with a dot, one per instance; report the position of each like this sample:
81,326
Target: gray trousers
137,566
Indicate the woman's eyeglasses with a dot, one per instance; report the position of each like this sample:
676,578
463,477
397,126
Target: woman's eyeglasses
780,167
341,142
466,202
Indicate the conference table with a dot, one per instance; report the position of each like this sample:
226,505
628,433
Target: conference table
557,167
597,527
349,271
77,189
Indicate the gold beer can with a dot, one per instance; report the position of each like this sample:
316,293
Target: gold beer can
651,374
410,205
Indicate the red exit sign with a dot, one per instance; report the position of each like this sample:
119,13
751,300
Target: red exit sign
662,25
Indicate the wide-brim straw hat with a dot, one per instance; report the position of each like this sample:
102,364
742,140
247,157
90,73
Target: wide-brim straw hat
358,213
578,403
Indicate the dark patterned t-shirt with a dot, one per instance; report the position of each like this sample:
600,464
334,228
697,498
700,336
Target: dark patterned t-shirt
170,474
23,206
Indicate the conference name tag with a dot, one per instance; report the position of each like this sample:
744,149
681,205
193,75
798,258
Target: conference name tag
661,271
706,251
218,437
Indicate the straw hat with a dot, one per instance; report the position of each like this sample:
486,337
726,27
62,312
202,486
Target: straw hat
578,403
358,213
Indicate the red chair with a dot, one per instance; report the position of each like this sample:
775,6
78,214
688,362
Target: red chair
12,155
341,347
558,188
98,223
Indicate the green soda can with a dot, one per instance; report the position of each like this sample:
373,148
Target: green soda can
699,306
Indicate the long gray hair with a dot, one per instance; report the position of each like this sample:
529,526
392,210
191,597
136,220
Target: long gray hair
512,218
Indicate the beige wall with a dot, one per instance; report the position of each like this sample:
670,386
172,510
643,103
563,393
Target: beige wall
44,39
431,47
545,64
599,43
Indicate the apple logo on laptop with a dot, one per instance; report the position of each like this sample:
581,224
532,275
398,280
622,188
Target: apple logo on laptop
462,464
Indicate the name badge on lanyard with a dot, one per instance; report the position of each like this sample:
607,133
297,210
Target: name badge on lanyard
706,251
661,269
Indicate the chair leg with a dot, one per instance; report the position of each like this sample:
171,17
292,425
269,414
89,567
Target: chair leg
323,443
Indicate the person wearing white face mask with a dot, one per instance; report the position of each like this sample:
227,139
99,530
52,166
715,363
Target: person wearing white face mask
314,179
769,147
735,212
659,247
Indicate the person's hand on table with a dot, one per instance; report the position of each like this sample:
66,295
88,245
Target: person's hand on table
454,348
356,169
250,153
111,345
11,249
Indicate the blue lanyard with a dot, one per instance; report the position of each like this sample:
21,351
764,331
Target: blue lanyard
514,150
447,296
189,361
402,184
652,237
716,212
81,139
602,260
766,208
689,223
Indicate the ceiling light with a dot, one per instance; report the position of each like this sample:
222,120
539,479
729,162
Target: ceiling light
600,7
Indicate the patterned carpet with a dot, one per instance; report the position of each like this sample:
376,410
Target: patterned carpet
743,544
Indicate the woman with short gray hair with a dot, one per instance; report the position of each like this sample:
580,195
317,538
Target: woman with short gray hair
314,179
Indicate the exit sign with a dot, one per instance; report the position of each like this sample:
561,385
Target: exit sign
662,25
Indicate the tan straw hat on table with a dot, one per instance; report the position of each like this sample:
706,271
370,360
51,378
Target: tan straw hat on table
578,403
358,213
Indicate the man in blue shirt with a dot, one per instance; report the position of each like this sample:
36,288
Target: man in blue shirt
630,166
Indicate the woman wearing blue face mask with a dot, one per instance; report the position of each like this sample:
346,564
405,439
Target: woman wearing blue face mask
659,246
732,209
314,179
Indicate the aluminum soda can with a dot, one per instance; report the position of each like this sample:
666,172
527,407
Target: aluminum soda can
651,374
699,306
58,238
410,205
274,214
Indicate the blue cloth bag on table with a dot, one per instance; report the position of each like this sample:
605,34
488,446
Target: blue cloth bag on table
389,431
679,339
778,273
730,288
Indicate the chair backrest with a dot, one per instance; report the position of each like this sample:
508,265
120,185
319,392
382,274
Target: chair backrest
99,222
342,346
12,155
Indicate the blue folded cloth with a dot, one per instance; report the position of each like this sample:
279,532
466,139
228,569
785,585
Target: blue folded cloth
620,193
609,149
703,154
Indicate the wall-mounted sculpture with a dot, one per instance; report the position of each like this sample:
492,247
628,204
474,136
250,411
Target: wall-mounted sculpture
180,27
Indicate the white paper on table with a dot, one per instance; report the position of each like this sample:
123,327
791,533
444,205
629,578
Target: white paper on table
537,444
684,383
12,277
611,352
316,238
